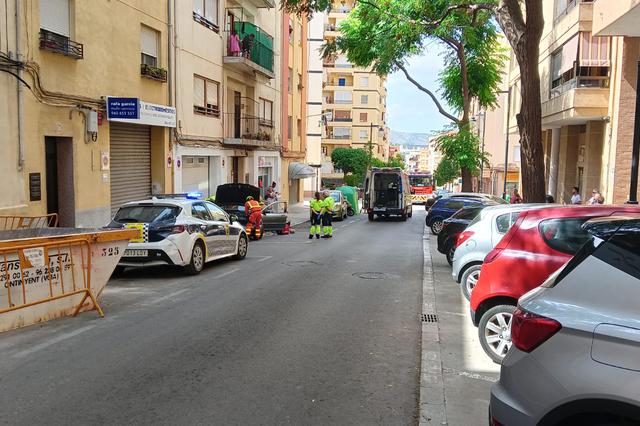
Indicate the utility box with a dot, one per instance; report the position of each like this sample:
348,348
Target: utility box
92,122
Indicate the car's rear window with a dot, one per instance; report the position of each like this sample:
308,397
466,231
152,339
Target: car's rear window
335,196
564,235
452,204
622,251
504,222
466,213
146,214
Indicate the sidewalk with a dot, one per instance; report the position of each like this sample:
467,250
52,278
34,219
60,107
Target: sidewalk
298,213
456,374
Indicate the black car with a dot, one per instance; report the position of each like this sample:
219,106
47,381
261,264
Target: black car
231,198
454,226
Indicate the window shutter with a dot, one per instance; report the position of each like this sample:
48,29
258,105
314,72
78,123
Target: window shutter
149,41
198,92
198,7
54,16
212,93
211,11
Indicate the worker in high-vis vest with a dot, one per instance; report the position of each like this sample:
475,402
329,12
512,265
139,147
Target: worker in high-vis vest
328,204
316,207
253,211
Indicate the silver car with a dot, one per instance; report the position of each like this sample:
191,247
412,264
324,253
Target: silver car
575,357
480,237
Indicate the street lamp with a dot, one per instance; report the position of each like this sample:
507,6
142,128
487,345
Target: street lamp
506,147
482,114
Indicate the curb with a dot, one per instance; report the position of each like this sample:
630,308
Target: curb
432,408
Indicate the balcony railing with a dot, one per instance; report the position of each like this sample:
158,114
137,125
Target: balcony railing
578,83
341,137
252,43
60,44
247,130
343,119
153,73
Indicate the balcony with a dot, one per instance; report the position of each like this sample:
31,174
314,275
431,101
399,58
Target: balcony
153,73
260,4
248,130
576,102
620,17
57,43
251,52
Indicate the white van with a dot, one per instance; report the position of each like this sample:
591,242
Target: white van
387,193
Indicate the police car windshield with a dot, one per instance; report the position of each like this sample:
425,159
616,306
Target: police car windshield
146,214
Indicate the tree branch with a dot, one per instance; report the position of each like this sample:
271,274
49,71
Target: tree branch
448,11
509,15
441,110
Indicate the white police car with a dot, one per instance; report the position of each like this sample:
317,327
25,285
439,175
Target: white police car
178,230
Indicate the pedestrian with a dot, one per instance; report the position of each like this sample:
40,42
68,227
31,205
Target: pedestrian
549,199
247,45
575,195
596,198
253,211
234,44
328,204
515,197
316,208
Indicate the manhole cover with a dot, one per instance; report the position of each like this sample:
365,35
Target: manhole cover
370,275
302,263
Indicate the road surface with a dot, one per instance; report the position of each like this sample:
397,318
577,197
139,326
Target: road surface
300,332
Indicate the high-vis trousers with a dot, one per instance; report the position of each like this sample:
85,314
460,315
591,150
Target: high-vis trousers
254,223
315,224
327,228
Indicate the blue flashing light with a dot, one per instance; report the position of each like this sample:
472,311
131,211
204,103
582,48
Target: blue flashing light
194,195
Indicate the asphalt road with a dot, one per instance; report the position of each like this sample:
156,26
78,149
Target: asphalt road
294,334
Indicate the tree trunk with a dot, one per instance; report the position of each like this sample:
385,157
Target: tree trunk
467,184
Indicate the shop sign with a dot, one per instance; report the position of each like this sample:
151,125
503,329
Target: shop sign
265,161
135,111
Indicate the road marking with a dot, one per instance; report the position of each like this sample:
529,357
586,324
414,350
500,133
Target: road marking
165,297
233,271
470,375
52,341
265,258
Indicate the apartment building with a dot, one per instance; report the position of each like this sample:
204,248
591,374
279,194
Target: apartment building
354,101
85,114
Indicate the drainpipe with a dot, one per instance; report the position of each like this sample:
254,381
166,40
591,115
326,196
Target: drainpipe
18,6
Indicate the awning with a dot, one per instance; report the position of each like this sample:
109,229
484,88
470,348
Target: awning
300,171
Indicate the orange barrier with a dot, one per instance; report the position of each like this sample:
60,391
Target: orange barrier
25,222
37,273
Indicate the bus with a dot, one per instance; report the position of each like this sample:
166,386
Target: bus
422,186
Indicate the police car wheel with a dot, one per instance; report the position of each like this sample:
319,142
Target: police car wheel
242,248
197,259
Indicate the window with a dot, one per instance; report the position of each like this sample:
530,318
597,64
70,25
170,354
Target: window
453,205
205,96
206,13
217,213
199,211
516,154
324,150
362,134
290,81
504,222
291,34
149,46
341,133
146,214
299,128
54,17
289,127
342,97
299,34
622,250
363,117
300,82
364,99
467,213
342,81
364,81
564,235
266,112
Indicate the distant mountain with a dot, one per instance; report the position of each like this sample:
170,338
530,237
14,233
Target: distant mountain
409,139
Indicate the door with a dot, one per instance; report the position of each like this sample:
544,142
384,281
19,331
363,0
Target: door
227,236
195,175
237,109
210,229
59,179
130,150
235,166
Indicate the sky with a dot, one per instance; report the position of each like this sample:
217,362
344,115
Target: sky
408,108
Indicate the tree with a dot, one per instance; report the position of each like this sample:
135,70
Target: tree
352,162
521,21
460,150
446,171
396,161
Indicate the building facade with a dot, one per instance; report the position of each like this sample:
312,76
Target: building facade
354,101
86,119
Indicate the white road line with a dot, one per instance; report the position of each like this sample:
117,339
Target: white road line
265,258
165,297
285,242
470,375
52,341
233,271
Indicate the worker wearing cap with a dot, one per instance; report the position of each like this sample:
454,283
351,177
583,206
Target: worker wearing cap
316,205
328,204
253,211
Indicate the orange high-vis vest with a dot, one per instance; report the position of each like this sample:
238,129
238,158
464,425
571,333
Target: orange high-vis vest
252,206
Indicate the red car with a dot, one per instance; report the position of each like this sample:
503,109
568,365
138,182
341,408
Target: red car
540,242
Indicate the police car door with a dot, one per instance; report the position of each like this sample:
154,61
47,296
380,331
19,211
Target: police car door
208,228
228,237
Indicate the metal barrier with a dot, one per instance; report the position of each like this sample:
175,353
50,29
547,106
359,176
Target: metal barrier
25,222
37,273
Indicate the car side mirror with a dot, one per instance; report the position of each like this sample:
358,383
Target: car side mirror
233,218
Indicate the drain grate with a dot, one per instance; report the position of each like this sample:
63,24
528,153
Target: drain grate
429,317
370,275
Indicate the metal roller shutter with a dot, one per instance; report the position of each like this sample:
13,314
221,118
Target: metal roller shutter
130,163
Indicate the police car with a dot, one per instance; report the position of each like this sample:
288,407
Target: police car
179,230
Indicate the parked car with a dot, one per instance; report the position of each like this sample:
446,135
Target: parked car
575,339
453,227
448,194
387,193
341,206
479,238
540,242
445,208
232,196
435,196
180,232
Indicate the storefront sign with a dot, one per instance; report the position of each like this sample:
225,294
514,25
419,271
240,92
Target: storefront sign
122,110
265,161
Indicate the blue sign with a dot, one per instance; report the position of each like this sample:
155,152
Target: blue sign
123,108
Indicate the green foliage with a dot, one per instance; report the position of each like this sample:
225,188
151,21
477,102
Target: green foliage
353,162
396,161
460,149
447,170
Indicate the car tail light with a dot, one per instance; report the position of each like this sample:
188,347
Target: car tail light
462,237
528,331
493,255
178,229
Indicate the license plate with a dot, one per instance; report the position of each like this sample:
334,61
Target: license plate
136,253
